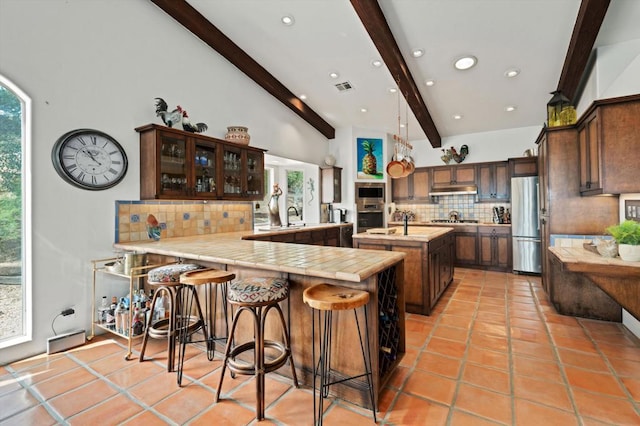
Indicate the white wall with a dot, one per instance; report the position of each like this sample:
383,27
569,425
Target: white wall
616,73
99,64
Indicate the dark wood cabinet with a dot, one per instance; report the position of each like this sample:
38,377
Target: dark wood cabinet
608,144
562,208
466,246
175,164
494,247
413,188
523,166
589,147
331,184
441,253
454,175
493,182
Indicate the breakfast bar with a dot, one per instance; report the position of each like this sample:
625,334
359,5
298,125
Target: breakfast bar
618,279
380,273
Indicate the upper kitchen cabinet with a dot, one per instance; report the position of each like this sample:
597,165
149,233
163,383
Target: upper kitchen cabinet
412,188
523,166
609,142
493,182
454,175
175,164
331,184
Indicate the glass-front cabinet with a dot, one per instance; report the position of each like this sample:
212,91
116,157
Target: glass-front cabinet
175,164
255,174
205,160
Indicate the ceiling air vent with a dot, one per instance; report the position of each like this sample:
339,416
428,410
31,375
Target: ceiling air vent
343,87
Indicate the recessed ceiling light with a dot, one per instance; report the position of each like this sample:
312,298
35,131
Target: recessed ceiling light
303,96
430,82
416,53
363,110
393,90
334,74
511,72
288,20
457,117
402,125
376,63
510,108
465,62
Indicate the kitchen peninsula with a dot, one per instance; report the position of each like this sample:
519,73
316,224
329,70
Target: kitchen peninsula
428,263
379,273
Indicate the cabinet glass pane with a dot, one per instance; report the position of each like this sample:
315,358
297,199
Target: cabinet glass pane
173,164
232,161
255,177
205,167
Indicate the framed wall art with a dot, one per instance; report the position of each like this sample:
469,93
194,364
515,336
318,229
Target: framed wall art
369,158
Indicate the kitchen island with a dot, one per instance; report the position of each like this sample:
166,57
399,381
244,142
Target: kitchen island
428,265
379,273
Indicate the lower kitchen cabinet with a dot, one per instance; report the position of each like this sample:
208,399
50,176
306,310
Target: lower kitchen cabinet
466,246
494,247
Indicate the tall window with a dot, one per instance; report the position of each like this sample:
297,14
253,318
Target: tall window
15,215
295,195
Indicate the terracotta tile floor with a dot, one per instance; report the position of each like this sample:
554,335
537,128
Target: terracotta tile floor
493,353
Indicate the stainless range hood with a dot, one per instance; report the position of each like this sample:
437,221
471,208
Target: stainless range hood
453,190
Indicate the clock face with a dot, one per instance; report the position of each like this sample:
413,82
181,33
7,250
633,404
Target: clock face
89,159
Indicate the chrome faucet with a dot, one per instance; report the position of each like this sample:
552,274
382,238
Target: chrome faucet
295,210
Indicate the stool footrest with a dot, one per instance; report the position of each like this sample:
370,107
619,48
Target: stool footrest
244,368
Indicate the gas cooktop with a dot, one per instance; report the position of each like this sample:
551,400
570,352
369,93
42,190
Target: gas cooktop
455,221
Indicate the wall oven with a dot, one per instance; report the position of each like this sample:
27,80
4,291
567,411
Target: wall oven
369,205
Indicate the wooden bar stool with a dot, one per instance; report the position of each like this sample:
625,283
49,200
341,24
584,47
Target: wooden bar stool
257,296
217,279
324,299
165,279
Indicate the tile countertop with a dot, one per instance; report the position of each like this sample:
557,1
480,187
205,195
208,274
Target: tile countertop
339,263
429,223
422,233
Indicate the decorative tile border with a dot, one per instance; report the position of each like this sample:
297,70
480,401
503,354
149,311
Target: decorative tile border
568,240
181,218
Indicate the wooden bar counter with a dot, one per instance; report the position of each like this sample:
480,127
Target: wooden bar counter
619,279
378,272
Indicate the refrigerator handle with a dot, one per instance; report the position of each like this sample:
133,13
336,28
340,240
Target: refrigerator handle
538,201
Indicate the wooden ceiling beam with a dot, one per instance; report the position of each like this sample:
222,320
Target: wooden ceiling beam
376,25
192,20
585,31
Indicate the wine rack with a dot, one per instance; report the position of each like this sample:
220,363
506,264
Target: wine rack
388,321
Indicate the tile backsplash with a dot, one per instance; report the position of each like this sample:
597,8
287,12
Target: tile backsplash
181,218
465,205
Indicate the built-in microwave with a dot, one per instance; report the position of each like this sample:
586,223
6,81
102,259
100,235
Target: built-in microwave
369,193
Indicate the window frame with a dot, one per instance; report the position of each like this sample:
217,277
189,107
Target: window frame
26,243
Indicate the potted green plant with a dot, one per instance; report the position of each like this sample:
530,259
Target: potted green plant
627,235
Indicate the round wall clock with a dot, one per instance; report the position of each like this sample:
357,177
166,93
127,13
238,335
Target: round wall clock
89,159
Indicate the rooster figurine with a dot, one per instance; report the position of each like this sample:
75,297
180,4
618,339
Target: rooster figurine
169,118
190,127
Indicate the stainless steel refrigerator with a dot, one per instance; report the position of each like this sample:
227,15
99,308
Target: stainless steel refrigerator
525,226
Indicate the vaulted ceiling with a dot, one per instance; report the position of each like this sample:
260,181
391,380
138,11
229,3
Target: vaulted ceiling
548,41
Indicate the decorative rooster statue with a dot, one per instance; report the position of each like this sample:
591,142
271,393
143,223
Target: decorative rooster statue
190,127
169,118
